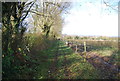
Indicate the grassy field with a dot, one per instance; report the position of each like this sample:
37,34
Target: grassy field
108,50
60,62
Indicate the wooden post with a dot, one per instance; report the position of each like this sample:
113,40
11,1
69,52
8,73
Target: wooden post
76,49
84,46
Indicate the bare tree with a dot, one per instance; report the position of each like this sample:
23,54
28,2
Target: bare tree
50,21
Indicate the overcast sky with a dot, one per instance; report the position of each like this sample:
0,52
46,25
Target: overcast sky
92,18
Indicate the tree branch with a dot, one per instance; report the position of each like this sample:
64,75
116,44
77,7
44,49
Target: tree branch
110,6
27,12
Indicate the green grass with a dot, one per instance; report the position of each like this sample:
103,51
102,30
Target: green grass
110,52
45,59
104,50
77,66
80,68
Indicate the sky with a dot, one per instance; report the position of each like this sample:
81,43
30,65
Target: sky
92,18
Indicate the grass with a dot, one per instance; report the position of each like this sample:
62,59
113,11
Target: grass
75,65
80,68
112,53
104,50
69,65
45,59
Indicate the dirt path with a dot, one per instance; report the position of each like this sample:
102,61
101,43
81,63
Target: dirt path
67,72
53,67
53,70
107,71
